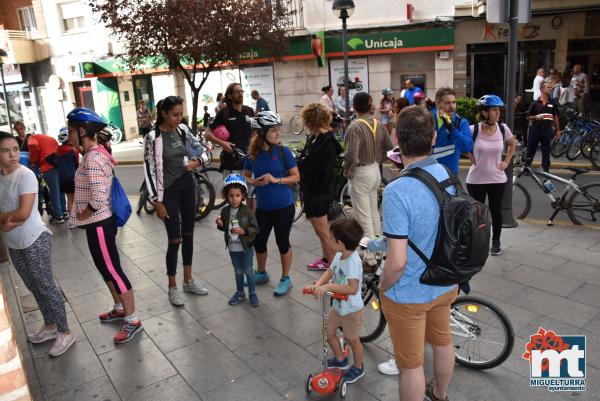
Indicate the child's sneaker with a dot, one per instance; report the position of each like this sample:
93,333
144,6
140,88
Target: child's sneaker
56,220
334,363
254,300
353,374
127,332
261,277
318,264
388,368
112,316
285,284
237,298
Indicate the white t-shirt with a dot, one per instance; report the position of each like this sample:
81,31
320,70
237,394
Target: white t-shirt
343,270
235,244
19,182
537,90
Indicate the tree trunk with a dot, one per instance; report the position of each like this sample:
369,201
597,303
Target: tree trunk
195,98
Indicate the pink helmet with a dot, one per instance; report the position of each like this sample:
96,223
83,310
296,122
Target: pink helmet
394,155
419,95
221,133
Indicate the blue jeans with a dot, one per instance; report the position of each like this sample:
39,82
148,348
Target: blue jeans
57,198
242,264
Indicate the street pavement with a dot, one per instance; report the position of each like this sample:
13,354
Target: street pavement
208,350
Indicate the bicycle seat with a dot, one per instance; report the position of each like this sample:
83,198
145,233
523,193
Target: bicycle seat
578,170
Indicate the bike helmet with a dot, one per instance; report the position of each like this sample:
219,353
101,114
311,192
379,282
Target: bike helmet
419,95
387,91
394,156
63,135
265,120
490,101
234,179
88,118
222,133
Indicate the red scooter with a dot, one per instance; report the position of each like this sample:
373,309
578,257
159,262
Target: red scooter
329,380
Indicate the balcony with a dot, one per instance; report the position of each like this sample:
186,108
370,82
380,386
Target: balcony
293,10
23,46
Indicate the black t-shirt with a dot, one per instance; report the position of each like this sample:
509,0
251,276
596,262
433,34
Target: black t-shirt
23,144
316,164
539,107
237,123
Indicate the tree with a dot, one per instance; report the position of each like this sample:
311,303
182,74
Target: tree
194,36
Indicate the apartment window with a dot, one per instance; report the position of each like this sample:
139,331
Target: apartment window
72,16
27,19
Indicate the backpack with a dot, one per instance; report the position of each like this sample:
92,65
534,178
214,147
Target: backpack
121,208
463,238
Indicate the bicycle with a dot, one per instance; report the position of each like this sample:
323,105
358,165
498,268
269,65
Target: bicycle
346,202
296,123
581,202
215,176
117,134
482,334
144,201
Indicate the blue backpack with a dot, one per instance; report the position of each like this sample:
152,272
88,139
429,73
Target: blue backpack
121,207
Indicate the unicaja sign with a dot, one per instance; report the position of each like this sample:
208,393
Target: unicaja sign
556,362
384,44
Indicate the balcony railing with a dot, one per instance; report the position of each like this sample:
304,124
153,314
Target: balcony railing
23,46
292,9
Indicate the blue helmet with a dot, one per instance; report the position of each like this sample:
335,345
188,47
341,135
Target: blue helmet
89,118
490,101
235,179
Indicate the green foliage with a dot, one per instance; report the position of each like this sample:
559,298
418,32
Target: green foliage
467,107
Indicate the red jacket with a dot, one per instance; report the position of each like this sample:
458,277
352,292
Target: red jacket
40,147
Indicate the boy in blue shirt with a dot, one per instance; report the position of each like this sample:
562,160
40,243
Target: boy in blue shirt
344,276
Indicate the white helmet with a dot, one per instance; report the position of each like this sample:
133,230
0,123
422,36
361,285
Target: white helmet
63,135
265,120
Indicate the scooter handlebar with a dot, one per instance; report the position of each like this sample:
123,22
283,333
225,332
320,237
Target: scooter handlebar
334,295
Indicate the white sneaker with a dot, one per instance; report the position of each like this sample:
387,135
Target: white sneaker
175,297
388,367
192,288
42,335
62,344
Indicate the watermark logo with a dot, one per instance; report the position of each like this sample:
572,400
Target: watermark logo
556,362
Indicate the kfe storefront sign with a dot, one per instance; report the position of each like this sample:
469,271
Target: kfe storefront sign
501,31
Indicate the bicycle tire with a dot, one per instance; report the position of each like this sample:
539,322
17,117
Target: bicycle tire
521,212
473,306
589,204
587,142
296,125
573,147
345,201
149,206
215,177
595,154
298,201
369,292
558,146
205,197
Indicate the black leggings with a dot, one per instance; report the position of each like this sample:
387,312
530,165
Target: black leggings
279,219
180,201
101,241
494,193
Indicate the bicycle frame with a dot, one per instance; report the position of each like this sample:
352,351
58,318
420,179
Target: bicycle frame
533,173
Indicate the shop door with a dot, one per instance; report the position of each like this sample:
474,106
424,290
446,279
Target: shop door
488,74
83,95
142,90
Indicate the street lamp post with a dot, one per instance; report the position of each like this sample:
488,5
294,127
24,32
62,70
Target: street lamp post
343,9
3,54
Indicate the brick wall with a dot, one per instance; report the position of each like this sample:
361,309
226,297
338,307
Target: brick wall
8,13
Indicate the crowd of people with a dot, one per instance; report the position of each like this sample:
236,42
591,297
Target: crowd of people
431,137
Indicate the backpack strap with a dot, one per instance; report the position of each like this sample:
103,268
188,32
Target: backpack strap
281,155
475,131
501,125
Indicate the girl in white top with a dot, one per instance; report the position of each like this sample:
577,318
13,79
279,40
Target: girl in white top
327,99
30,245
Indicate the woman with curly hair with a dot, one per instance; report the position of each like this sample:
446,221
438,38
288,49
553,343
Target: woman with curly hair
316,164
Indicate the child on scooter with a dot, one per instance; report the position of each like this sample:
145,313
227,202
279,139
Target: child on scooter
344,276
240,227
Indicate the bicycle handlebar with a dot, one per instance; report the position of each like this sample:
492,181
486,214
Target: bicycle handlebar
334,295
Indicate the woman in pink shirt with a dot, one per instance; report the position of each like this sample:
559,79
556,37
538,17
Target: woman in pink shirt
486,177
92,211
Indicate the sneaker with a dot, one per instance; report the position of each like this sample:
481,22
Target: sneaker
62,344
334,363
318,265
237,298
175,296
127,332
429,392
353,374
495,247
388,368
42,335
192,288
56,220
254,300
112,316
285,284
65,216
261,277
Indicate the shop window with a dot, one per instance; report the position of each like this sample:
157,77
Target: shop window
72,16
27,19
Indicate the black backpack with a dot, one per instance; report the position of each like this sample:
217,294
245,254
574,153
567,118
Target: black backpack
463,238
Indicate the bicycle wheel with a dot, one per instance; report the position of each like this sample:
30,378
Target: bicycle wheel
298,201
574,147
296,125
584,207
345,201
483,337
205,197
373,319
521,201
149,206
587,141
215,177
559,146
595,154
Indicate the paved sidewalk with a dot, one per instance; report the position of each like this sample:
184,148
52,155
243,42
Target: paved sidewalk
207,350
